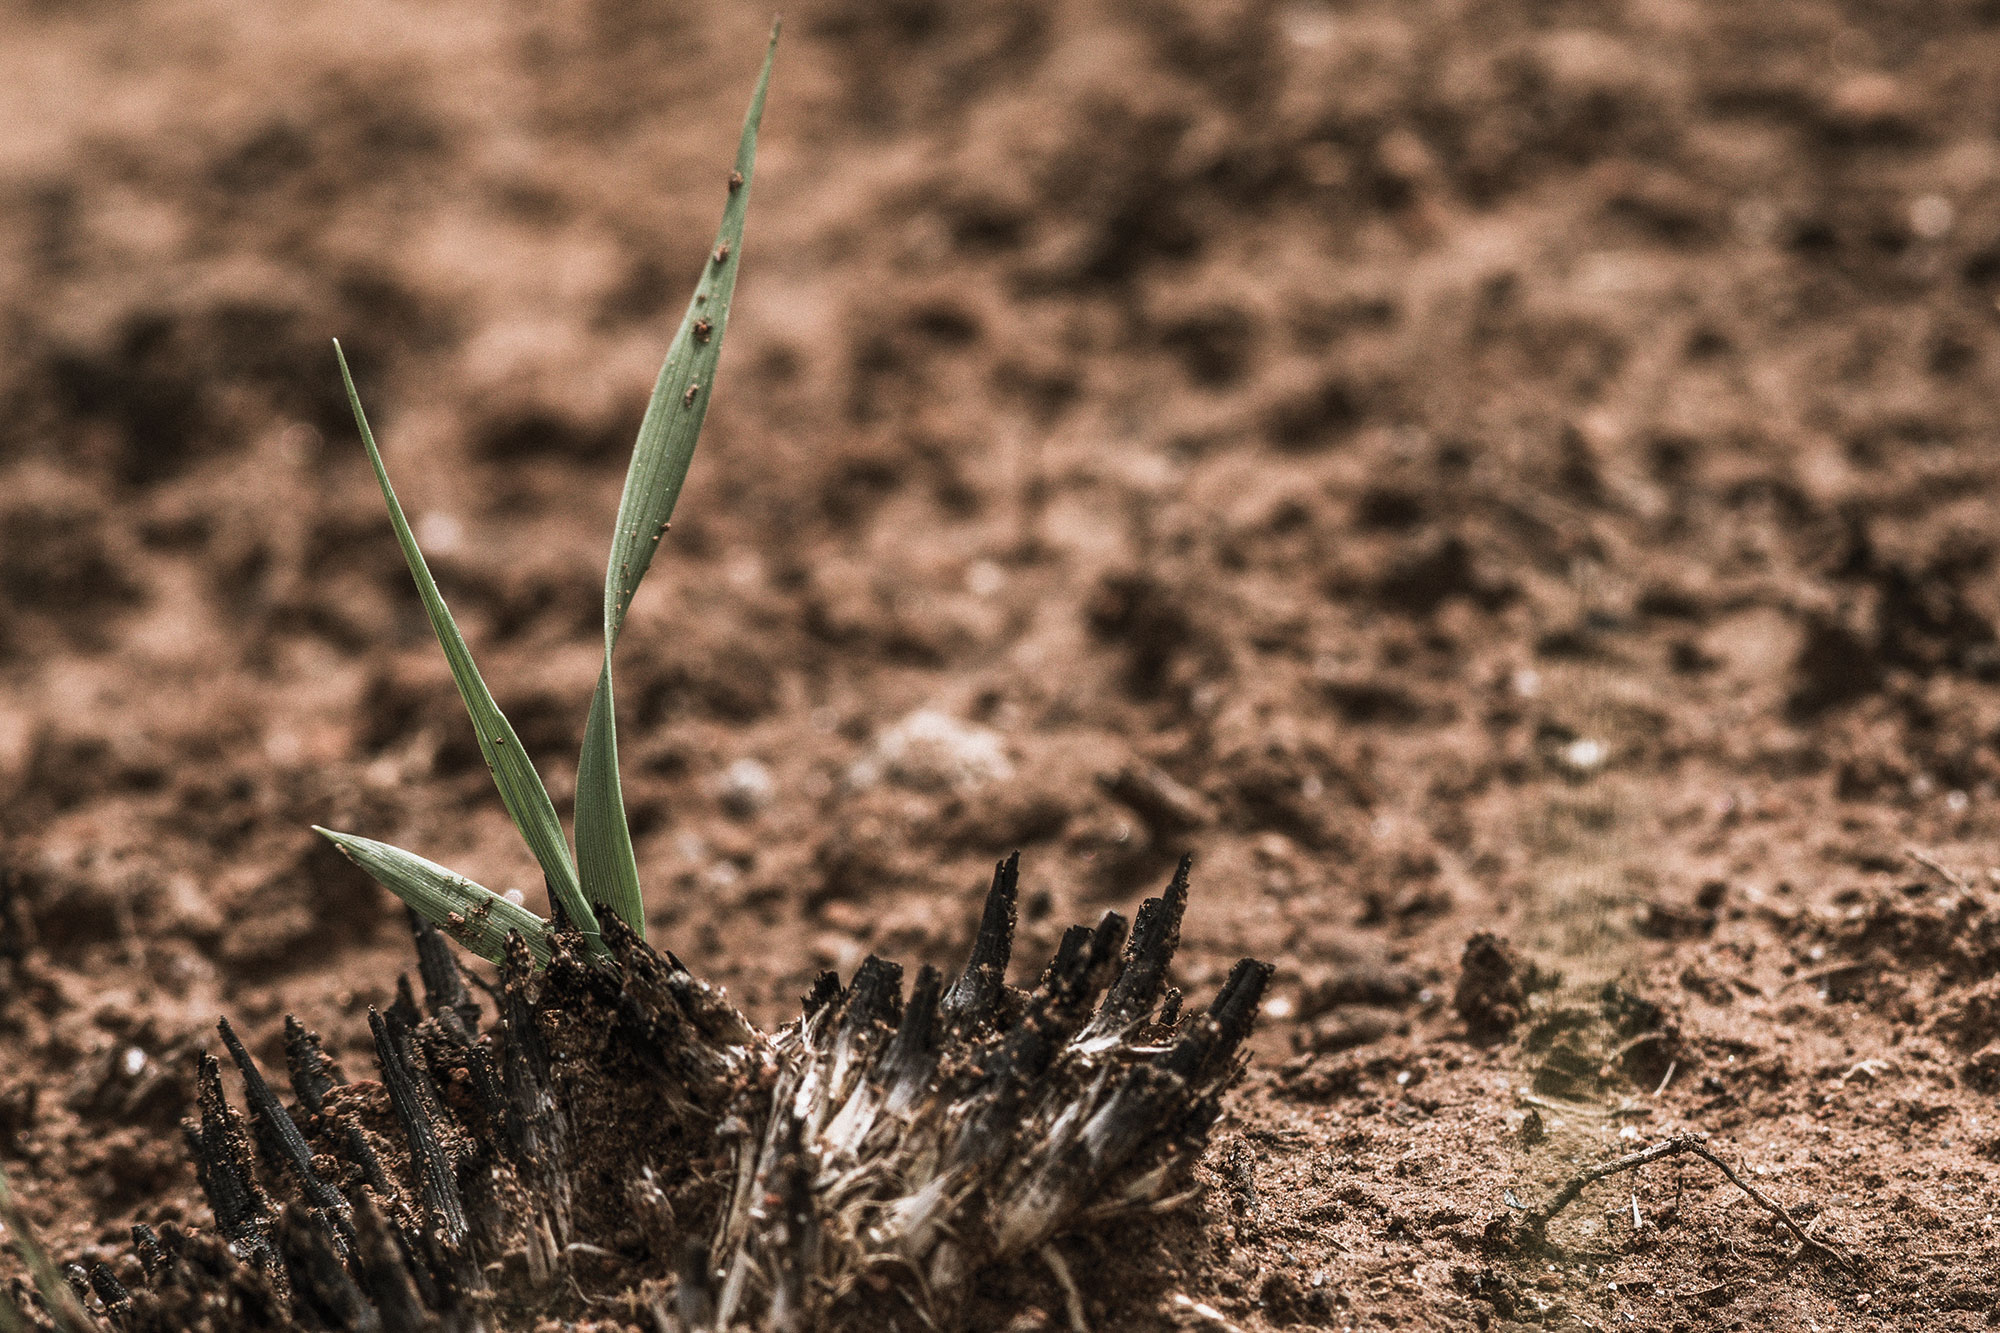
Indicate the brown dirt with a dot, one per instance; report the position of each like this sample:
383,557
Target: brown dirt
1458,468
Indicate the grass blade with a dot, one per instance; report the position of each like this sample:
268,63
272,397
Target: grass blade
521,788
63,1306
660,459
476,917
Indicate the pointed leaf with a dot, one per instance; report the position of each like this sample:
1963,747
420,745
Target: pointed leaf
660,459
604,855
521,788
476,917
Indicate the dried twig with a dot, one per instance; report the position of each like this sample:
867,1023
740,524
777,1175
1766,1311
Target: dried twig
1673,1147
1827,973
1929,862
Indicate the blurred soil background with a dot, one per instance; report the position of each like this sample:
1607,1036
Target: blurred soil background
1510,486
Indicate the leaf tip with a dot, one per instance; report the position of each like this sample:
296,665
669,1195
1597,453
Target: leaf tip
342,842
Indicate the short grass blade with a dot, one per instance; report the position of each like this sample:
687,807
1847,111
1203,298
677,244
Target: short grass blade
63,1306
660,459
521,788
476,917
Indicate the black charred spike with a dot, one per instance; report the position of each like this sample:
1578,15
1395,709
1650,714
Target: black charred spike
444,984
534,1124
1107,939
1072,957
1234,1008
1155,939
313,1074
975,996
416,1248
912,1053
1206,1045
437,1183
110,1290
487,1093
153,1256
403,1014
875,998
319,1280
279,1137
1081,968
382,1270
404,1035
221,1152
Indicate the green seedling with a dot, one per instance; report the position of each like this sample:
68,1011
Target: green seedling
603,872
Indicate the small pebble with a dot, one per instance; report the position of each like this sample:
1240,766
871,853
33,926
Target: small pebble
931,750
746,788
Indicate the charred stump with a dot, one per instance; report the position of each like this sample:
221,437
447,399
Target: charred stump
855,1168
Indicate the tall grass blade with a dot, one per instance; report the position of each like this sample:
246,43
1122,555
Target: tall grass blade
660,459
63,1306
476,917
521,788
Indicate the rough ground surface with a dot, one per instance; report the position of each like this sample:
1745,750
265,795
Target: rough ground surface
1456,467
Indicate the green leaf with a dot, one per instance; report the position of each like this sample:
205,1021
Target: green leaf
62,1304
521,788
476,917
660,459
